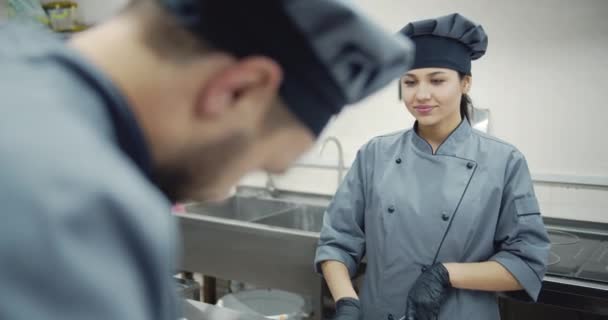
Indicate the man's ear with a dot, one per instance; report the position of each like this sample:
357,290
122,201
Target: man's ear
251,81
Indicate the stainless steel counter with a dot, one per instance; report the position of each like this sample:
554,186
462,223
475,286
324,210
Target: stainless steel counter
273,244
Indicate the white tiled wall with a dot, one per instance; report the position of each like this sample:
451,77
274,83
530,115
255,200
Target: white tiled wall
578,204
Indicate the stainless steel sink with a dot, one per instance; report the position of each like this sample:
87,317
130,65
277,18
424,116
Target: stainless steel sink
271,212
303,217
266,242
240,208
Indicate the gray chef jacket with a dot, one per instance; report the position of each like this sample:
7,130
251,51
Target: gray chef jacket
405,208
84,232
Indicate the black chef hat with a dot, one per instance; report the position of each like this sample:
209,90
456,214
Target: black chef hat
450,41
331,55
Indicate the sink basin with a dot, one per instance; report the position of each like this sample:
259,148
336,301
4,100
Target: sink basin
269,243
304,217
240,208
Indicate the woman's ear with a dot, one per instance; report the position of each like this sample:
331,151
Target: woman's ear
466,83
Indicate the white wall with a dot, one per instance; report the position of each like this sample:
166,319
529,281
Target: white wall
544,78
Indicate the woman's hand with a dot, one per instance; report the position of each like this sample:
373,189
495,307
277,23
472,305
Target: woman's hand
348,309
428,294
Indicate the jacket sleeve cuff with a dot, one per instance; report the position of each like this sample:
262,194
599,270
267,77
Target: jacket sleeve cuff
522,272
325,253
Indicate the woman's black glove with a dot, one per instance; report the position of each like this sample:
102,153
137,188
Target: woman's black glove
428,294
348,309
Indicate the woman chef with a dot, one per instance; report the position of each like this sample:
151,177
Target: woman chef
445,215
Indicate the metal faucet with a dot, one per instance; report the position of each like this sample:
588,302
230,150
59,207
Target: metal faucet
271,188
341,167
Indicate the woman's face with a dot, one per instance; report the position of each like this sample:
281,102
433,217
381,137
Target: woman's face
432,95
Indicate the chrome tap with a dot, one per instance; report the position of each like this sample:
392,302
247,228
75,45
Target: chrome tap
271,187
341,167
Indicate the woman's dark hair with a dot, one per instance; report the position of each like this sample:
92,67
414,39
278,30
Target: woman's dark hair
466,104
